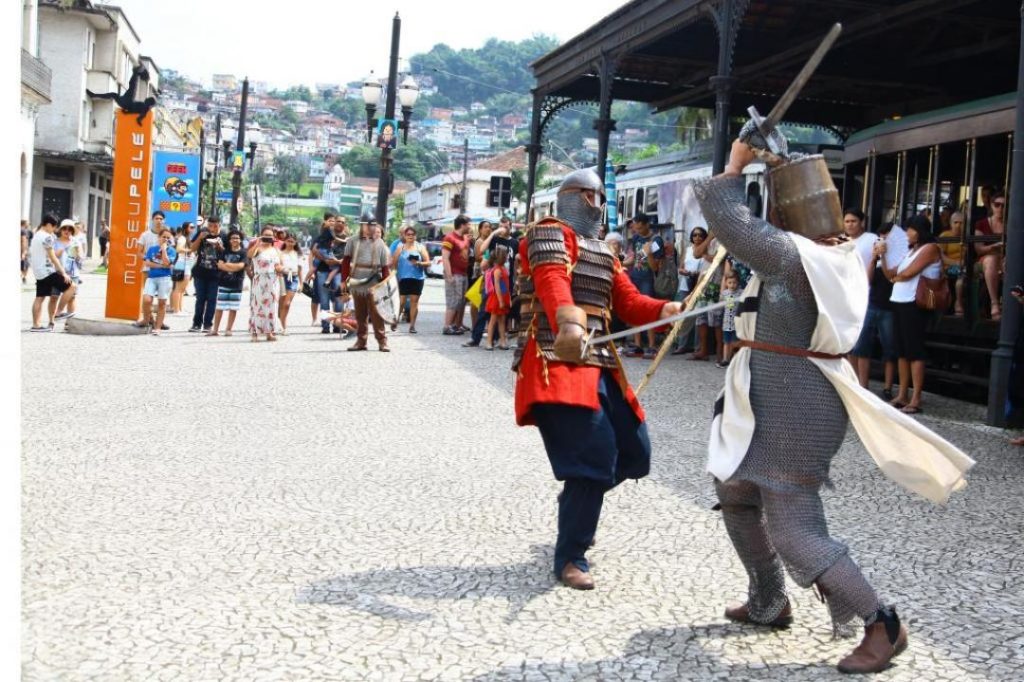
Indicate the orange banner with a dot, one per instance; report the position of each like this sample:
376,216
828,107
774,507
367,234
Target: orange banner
129,214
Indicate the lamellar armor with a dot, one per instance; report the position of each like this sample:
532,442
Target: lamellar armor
591,286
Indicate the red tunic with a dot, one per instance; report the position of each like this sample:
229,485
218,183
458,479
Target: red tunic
569,383
499,301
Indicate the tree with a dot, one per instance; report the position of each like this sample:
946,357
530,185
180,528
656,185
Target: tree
289,172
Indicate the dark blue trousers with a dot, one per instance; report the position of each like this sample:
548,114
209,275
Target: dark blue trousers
592,452
482,318
206,300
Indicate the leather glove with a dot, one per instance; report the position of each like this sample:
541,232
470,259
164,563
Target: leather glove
572,330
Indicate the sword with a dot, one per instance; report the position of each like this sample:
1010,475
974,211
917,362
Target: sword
591,341
766,125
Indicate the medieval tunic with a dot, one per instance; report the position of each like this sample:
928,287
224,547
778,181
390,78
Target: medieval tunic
543,379
588,416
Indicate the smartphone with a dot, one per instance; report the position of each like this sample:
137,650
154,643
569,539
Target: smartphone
413,256
212,240
267,240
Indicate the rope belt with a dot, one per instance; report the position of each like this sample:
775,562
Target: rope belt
786,350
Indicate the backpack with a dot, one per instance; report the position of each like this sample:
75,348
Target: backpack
666,281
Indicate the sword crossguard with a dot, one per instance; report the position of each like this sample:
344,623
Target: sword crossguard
767,129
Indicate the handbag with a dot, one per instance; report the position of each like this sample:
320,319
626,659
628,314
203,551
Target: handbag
474,294
932,294
308,290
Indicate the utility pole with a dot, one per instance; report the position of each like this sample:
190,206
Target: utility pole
202,169
236,177
465,171
216,165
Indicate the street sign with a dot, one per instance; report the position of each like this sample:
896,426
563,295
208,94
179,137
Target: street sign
224,196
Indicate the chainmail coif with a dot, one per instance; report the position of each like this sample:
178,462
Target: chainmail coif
800,422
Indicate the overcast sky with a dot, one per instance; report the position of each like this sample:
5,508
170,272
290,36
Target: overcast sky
334,41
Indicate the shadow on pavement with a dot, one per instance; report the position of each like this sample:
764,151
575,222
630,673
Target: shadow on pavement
679,652
369,591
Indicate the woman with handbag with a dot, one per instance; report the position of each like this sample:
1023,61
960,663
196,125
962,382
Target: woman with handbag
917,291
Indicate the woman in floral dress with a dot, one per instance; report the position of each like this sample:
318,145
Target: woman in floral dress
266,268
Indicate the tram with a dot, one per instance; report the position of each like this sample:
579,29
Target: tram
937,163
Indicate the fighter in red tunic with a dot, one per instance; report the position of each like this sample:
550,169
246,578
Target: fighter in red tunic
591,422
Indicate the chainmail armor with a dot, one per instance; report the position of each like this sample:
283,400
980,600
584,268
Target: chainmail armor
573,209
591,287
773,498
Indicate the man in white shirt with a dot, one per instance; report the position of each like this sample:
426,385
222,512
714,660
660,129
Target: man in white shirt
51,279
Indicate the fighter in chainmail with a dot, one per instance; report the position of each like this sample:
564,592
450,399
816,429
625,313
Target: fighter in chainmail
770,501
591,423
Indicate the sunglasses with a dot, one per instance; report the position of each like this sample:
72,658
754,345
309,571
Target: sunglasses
999,204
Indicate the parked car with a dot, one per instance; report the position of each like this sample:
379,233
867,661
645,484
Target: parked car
436,267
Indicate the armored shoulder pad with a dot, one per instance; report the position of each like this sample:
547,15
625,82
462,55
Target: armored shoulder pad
546,244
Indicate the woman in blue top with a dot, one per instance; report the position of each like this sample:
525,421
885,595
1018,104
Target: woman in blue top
409,259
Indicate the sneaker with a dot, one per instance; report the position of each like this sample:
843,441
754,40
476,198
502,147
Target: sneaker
39,329
471,344
164,328
195,329
650,353
325,330
136,324
207,329
633,352
722,364
348,335
63,316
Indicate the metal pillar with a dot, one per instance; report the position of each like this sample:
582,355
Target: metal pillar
202,166
384,182
1010,322
604,124
533,150
465,176
727,16
236,176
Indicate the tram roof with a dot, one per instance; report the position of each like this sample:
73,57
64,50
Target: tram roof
894,58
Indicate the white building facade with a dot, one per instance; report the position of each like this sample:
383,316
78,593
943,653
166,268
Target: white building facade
94,47
35,93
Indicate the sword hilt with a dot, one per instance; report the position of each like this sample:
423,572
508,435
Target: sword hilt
766,127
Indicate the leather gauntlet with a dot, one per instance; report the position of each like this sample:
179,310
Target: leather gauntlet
572,330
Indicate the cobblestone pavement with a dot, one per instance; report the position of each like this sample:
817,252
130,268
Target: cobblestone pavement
215,509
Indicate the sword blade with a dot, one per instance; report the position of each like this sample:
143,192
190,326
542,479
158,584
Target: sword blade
653,325
782,106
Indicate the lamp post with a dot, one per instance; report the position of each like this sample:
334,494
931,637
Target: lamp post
407,92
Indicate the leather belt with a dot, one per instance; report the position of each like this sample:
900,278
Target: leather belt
786,350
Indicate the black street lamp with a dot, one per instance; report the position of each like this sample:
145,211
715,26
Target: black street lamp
236,177
408,92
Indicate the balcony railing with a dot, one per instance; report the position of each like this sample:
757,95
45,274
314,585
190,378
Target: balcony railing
35,75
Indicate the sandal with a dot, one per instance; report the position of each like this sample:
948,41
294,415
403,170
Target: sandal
897,403
887,393
227,333
698,357
910,409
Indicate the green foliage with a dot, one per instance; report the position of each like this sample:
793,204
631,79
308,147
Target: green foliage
296,92
413,162
474,75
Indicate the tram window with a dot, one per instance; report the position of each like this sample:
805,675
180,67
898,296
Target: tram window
651,201
920,168
886,184
853,187
638,206
952,173
991,172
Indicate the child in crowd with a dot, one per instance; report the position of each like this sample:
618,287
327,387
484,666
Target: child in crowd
231,263
499,301
345,319
158,285
731,296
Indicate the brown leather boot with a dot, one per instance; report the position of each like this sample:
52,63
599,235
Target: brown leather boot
573,577
741,614
884,640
